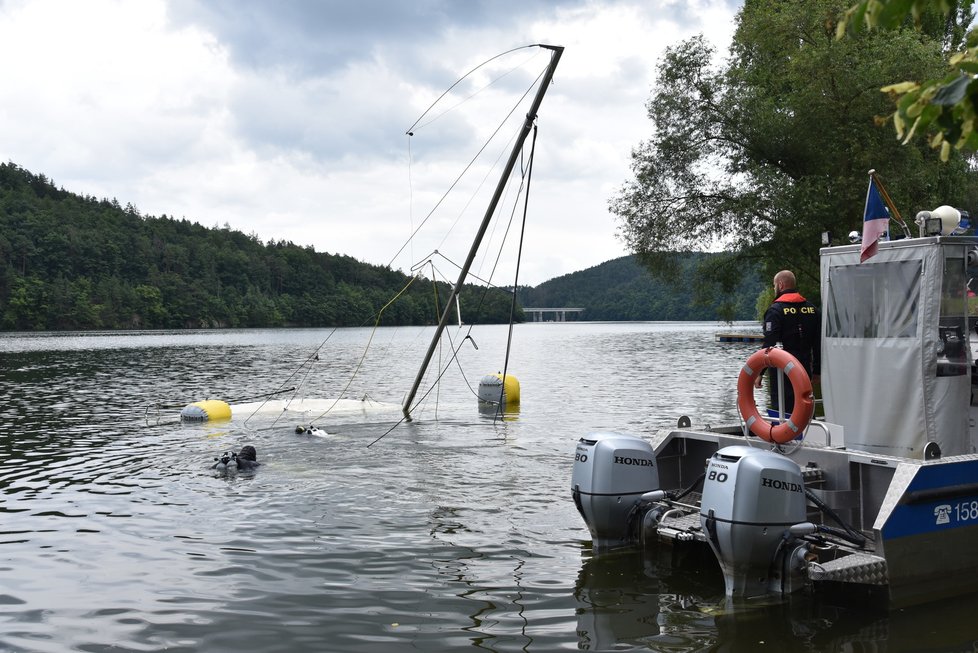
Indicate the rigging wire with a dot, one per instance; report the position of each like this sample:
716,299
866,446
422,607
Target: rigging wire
308,364
465,99
461,79
434,290
519,255
366,349
315,357
410,193
465,169
454,263
424,396
456,349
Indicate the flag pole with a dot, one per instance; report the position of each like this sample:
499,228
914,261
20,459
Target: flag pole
894,213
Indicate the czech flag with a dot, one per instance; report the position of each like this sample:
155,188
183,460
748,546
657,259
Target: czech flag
876,220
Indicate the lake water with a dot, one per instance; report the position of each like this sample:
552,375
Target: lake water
455,530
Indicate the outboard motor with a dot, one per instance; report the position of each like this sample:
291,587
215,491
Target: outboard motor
751,497
611,473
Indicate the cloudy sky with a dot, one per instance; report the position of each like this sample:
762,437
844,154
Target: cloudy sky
288,119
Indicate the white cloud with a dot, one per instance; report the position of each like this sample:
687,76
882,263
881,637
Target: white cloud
288,121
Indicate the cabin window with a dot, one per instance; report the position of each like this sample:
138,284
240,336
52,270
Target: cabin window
954,289
953,330
873,301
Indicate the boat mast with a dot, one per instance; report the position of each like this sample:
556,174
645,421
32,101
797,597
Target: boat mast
531,116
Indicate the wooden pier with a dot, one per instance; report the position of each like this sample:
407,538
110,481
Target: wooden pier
730,336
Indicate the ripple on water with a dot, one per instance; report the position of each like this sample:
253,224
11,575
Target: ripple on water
446,534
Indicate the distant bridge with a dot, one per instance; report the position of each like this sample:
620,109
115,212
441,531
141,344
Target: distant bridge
551,314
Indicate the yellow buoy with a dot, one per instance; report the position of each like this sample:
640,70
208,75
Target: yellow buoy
492,385
209,410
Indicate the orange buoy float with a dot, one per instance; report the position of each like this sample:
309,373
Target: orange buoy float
801,413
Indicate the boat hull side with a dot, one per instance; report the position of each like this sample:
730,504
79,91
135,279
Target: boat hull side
928,528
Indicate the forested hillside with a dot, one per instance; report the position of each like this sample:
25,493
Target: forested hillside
621,289
72,262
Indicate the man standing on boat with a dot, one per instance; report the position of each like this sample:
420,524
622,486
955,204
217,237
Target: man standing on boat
794,322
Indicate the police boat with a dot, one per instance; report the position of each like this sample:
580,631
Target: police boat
881,495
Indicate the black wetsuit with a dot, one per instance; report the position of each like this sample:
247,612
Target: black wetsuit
248,458
796,324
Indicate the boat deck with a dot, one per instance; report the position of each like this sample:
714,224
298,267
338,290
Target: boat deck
681,527
862,568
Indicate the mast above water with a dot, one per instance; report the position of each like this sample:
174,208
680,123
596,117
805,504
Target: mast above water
531,116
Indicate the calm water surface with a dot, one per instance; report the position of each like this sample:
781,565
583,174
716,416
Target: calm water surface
453,531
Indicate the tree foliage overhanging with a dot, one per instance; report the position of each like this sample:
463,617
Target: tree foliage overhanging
944,108
759,155
72,262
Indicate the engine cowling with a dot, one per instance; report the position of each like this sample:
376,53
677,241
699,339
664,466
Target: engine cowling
750,498
611,473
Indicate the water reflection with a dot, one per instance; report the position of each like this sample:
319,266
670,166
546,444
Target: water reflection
506,412
670,599
612,610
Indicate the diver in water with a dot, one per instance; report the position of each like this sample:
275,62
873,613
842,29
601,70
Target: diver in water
245,459
248,458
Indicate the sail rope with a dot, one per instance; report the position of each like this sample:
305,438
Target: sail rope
315,357
416,125
516,279
415,230
465,170
366,349
524,186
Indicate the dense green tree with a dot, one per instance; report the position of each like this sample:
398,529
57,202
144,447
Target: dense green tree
71,262
946,106
760,155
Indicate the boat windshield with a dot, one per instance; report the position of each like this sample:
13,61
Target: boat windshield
874,301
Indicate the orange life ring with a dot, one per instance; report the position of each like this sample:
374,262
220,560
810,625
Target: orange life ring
801,413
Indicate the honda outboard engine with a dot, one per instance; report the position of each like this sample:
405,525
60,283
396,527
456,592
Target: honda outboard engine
611,473
750,499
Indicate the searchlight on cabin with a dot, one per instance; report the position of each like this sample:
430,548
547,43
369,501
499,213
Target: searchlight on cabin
943,221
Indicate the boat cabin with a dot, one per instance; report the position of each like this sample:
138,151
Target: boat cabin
897,368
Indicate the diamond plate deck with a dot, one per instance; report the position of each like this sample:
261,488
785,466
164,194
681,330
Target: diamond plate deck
854,568
682,528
